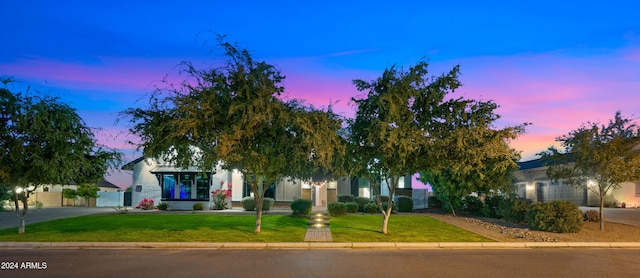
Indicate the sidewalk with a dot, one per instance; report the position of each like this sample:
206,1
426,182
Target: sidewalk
317,245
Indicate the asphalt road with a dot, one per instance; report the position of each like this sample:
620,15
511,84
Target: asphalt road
320,263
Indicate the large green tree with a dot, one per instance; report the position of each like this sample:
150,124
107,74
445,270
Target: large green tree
597,157
234,116
389,137
469,154
44,141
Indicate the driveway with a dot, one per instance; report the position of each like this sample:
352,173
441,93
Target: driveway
629,216
8,219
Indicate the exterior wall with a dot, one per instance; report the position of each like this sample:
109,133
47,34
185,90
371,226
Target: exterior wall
344,187
288,189
332,195
48,199
420,198
145,184
534,184
527,180
306,194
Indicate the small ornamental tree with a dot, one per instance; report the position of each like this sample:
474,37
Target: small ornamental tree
87,191
45,141
597,157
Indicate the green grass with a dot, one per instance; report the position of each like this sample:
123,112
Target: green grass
366,228
226,228
162,228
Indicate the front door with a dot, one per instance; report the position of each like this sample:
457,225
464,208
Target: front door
319,195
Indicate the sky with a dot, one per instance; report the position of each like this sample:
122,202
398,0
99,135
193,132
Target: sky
554,64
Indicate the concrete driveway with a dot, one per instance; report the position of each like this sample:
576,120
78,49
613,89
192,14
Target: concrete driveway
9,219
629,216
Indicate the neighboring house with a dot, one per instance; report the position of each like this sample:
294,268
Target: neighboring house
181,188
50,195
103,185
533,183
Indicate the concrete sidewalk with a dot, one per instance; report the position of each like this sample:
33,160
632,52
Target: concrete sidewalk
316,245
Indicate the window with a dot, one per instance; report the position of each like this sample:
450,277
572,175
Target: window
168,185
186,182
202,187
185,186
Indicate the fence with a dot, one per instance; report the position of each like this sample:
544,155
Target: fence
110,199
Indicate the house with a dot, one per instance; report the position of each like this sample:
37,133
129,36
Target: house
103,185
533,183
50,195
181,188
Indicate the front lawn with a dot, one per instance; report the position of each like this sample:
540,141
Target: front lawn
366,228
226,228
162,228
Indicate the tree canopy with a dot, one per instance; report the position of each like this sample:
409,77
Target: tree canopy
408,123
234,115
597,157
44,141
469,154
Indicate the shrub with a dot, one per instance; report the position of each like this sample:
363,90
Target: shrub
39,204
301,207
267,203
591,215
198,206
434,202
351,207
336,208
370,208
145,204
405,204
555,216
163,206
384,198
472,204
362,201
514,209
248,203
346,198
385,205
491,205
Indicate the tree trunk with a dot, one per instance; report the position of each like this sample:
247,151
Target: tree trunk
601,213
259,201
21,215
385,223
453,210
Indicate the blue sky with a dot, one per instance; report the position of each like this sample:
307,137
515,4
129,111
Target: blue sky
556,65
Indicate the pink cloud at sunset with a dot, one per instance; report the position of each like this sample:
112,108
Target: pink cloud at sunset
124,75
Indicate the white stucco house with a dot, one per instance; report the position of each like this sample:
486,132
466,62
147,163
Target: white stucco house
533,183
181,188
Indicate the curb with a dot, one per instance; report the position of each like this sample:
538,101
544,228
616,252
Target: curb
315,245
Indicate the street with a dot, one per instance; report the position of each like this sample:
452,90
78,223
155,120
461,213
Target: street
320,263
